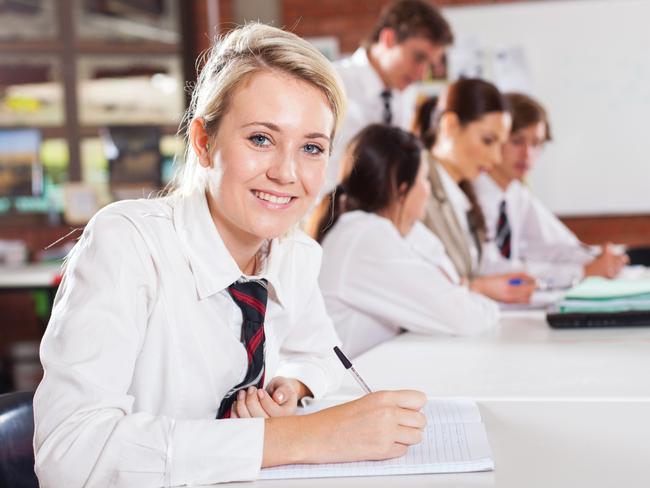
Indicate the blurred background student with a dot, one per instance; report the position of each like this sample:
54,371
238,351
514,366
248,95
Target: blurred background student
463,133
522,232
375,284
408,37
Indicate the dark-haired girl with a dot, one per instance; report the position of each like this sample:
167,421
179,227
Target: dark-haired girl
376,284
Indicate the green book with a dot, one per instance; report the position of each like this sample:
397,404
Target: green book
600,289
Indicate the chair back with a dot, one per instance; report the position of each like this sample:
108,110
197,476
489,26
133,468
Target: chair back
16,434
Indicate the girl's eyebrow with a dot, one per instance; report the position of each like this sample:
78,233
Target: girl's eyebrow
276,128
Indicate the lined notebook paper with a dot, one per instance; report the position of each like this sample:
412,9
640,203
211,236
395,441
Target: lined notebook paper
454,441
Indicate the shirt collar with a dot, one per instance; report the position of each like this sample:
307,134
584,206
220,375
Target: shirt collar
454,193
488,187
373,83
213,267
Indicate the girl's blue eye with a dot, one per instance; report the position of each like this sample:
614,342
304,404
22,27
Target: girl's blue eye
259,140
313,149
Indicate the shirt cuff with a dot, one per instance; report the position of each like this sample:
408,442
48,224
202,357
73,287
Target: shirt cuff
312,376
215,451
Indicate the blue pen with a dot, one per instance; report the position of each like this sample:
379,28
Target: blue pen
515,281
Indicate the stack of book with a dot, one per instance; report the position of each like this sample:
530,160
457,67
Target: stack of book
601,302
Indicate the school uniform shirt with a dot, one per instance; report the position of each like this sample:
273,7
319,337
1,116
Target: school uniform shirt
539,242
144,342
363,88
376,284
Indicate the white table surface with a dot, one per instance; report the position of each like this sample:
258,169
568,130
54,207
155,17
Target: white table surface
522,358
541,443
562,408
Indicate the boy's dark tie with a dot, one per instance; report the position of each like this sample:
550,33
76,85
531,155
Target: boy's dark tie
503,232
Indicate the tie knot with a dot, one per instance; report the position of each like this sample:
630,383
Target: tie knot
250,297
502,207
387,115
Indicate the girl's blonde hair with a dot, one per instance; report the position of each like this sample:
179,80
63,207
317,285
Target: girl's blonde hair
229,63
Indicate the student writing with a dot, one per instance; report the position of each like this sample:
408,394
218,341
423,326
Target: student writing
376,284
463,133
177,314
523,233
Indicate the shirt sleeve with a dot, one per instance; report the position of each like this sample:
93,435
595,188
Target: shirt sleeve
306,354
546,238
411,293
86,431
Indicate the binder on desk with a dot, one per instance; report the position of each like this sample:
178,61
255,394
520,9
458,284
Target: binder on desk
599,302
454,441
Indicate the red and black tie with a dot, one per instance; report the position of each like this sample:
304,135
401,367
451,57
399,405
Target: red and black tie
250,297
503,232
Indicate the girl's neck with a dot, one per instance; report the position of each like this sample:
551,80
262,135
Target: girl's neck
447,164
242,246
393,214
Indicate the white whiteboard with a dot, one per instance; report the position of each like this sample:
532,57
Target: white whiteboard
589,62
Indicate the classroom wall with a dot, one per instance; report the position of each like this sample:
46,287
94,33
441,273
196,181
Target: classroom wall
587,61
350,21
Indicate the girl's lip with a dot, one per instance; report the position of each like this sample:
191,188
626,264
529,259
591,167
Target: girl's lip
274,205
274,193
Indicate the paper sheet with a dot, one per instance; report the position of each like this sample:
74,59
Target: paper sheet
454,441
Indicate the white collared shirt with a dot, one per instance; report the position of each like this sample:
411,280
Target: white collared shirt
144,342
363,88
461,205
376,284
539,242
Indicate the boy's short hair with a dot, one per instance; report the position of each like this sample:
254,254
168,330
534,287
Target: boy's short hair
526,111
413,18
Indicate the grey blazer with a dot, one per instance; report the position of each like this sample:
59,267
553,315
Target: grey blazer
441,219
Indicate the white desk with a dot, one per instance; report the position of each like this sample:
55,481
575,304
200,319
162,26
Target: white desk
563,409
522,358
541,444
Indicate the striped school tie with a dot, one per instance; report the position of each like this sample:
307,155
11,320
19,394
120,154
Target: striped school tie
503,231
387,116
250,297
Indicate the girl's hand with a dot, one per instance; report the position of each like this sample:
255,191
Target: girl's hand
607,264
500,287
279,400
379,425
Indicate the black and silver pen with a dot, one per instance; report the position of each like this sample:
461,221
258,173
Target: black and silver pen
348,365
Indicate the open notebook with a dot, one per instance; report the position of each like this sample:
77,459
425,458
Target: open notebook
454,441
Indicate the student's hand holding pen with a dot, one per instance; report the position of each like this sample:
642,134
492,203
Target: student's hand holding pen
506,288
608,264
278,400
379,425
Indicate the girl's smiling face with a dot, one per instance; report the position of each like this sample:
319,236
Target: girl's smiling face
269,155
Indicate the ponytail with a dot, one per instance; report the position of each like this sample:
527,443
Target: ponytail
327,213
425,123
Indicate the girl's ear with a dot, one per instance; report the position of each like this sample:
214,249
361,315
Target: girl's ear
200,141
449,124
402,191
